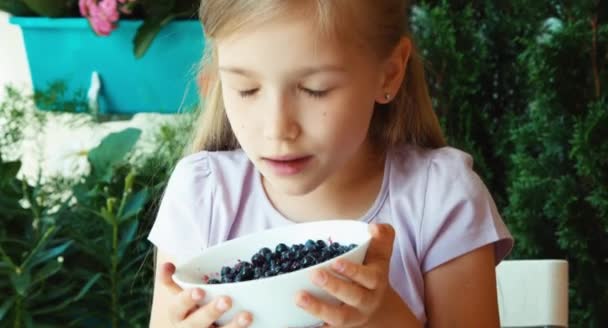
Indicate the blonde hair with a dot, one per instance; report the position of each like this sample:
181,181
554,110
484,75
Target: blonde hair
378,25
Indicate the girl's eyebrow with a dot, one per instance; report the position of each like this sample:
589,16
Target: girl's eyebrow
303,72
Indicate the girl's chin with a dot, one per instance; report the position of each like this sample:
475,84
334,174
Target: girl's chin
292,185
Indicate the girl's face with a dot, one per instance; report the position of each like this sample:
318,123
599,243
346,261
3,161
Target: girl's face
300,105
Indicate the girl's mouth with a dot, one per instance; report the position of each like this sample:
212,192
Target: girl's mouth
287,165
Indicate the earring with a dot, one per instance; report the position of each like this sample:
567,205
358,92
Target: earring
387,96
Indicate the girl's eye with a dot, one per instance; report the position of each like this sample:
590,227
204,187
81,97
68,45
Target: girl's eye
315,93
247,93
310,92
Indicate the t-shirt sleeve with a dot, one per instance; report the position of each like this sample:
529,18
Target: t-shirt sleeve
459,214
179,228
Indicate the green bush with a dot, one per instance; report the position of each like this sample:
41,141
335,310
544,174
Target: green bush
80,259
522,86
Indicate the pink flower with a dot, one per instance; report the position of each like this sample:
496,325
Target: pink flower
103,15
101,26
84,9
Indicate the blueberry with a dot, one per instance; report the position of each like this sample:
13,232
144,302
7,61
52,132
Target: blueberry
294,248
266,263
265,251
308,261
325,254
299,254
315,254
281,248
285,267
288,256
274,262
244,265
310,245
227,271
275,270
295,265
258,273
258,260
247,273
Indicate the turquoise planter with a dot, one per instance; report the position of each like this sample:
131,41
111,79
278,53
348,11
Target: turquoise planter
163,80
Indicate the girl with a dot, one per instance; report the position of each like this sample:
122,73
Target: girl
319,110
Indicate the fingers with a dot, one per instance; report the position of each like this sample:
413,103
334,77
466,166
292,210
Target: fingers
208,314
185,311
185,303
381,247
368,276
166,272
333,315
345,291
244,319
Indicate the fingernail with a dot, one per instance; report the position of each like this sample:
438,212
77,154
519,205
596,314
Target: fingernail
243,321
222,305
320,278
304,300
197,295
339,266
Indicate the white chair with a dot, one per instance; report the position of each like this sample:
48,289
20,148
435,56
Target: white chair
533,293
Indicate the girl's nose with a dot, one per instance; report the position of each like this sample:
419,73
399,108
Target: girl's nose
280,122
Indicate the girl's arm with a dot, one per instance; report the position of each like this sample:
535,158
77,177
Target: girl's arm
462,292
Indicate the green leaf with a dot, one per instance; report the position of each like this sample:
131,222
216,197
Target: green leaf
147,32
21,281
6,306
8,171
127,237
49,269
50,8
51,253
112,150
138,259
134,204
28,321
62,292
6,259
26,265
87,286
107,216
16,7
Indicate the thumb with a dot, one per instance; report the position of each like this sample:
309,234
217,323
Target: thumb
166,271
381,245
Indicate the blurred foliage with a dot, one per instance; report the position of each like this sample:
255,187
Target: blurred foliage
521,85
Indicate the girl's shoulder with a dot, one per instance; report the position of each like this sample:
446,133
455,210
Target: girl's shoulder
445,164
208,167
188,219
445,203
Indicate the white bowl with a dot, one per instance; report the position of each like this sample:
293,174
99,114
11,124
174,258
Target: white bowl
272,300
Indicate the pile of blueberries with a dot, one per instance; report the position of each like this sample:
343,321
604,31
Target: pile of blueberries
266,263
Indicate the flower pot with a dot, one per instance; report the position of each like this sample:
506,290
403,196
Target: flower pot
67,50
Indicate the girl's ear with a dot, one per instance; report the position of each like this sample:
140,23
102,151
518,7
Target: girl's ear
394,71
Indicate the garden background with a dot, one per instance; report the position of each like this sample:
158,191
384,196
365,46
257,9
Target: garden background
521,85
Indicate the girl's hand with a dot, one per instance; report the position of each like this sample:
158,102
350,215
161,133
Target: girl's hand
368,297
185,312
